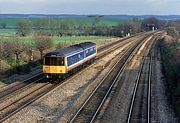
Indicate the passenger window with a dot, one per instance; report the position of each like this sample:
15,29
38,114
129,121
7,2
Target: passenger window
79,56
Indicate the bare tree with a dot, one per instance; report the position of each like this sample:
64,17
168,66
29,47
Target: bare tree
71,28
1,49
103,30
2,55
3,25
131,27
83,29
30,52
7,52
152,22
96,20
23,27
42,43
62,45
17,48
172,32
40,24
174,23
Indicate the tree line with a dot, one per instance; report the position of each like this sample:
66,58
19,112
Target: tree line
56,27
16,53
21,56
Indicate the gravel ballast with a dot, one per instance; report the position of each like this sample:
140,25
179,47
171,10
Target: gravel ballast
162,109
117,109
15,79
62,103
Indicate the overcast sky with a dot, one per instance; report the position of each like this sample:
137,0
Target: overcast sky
135,7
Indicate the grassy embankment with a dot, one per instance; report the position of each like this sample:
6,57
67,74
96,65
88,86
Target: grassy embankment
171,64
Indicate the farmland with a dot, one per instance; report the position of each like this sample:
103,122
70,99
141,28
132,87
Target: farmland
57,40
11,22
7,32
31,38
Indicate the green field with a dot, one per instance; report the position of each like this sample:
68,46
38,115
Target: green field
11,22
65,39
7,32
77,38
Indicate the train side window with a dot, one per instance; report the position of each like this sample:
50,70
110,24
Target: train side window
79,56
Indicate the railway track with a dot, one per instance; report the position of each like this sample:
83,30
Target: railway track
90,108
37,93
34,80
13,87
25,82
140,106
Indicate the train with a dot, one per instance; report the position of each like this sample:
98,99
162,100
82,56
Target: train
61,62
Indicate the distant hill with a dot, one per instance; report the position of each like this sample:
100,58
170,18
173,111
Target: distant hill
126,17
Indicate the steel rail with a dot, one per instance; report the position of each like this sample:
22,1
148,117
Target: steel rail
11,89
149,90
108,91
25,83
39,74
41,95
136,88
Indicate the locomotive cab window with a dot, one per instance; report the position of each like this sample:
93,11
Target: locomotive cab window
54,61
60,61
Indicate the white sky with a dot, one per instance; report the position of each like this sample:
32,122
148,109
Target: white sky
136,7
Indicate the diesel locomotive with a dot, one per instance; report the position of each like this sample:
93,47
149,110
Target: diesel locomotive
59,63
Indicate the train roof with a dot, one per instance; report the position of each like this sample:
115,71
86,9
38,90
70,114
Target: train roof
66,51
71,49
86,45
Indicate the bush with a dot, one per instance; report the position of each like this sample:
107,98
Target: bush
25,69
171,64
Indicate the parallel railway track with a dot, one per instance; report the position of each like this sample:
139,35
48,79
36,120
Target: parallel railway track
13,87
32,80
24,101
90,108
140,106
